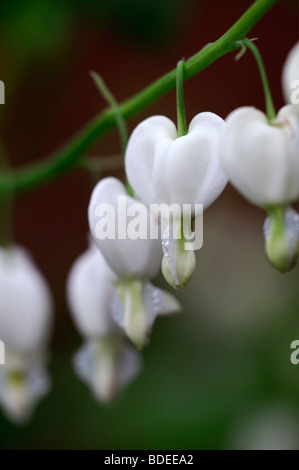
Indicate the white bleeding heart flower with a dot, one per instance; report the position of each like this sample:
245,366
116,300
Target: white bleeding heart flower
260,158
290,76
25,325
163,168
111,207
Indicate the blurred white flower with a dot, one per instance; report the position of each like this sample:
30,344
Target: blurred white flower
290,76
165,169
25,326
105,362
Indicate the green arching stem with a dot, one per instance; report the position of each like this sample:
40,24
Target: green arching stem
120,122
35,175
181,115
270,110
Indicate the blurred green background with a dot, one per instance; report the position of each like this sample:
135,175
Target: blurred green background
218,375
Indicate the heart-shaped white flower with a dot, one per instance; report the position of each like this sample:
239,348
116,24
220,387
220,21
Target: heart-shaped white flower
260,158
164,168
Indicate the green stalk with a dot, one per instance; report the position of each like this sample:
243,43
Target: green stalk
181,115
120,122
270,110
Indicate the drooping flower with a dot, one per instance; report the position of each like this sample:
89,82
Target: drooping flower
133,255
165,169
105,362
261,160
290,76
25,325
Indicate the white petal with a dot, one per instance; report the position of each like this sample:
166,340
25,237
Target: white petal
194,174
141,155
171,304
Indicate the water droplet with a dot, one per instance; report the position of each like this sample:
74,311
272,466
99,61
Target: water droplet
169,246
165,243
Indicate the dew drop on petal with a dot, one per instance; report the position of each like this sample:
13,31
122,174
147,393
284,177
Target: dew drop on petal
169,247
